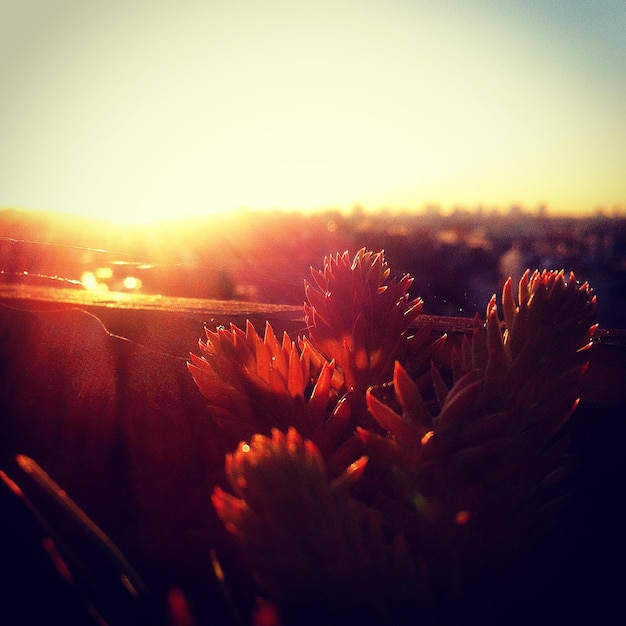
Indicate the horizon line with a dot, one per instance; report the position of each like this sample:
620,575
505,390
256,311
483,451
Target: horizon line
432,209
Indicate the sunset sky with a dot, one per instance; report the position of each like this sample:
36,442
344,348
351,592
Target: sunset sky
143,109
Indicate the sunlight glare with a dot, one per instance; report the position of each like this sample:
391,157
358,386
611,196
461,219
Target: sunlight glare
132,283
90,281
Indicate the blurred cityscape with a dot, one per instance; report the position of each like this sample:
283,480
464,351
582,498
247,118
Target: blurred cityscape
458,259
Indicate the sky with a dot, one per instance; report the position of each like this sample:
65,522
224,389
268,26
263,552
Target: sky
150,109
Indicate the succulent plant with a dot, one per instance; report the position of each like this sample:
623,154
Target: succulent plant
255,385
479,473
464,465
315,551
361,317
316,384
374,481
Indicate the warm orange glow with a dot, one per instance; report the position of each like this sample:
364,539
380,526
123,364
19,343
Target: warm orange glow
462,517
90,281
427,437
130,282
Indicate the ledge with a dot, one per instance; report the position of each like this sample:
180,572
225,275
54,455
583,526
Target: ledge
135,317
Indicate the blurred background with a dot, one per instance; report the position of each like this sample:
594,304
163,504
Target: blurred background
214,150
458,260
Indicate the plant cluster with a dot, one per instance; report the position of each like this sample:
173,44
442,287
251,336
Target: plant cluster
381,476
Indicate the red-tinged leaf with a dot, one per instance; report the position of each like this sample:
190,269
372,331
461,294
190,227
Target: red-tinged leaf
439,385
363,301
244,345
479,347
459,386
212,386
590,333
318,301
497,365
311,354
419,338
509,307
320,280
568,379
518,335
287,344
228,335
413,406
349,450
358,342
385,452
339,420
344,258
417,363
557,286
196,362
392,422
275,350
212,340
339,317
350,476
375,273
348,368
249,335
320,396
296,380
404,284
309,316
413,311
263,362
221,346
523,293
276,382
231,510
460,406
494,332
397,322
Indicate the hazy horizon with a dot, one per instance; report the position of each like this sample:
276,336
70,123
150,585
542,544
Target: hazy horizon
433,210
